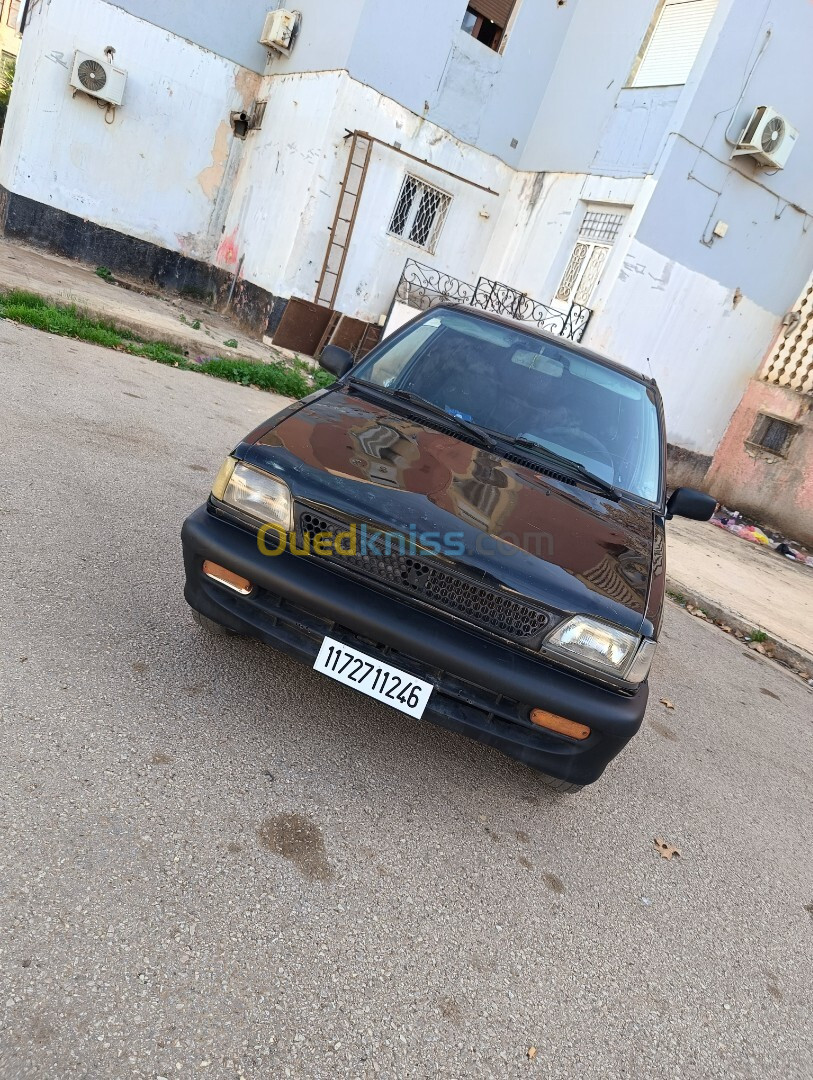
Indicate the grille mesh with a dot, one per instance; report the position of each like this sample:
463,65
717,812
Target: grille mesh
436,586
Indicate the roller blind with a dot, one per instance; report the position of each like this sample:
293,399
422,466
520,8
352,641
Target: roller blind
675,43
496,10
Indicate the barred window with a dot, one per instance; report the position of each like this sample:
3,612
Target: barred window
600,226
419,213
772,433
597,235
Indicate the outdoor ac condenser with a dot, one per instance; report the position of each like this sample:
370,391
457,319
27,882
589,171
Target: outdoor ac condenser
768,137
98,79
280,30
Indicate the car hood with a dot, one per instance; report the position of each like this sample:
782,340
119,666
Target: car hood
508,522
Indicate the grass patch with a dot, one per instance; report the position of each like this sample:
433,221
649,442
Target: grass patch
758,635
678,597
274,377
104,273
67,321
323,379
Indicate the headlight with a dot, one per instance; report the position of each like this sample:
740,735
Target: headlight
603,647
254,492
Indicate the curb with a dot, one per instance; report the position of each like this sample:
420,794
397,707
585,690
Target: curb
773,648
191,344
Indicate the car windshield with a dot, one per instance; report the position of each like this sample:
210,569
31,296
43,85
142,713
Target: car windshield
527,388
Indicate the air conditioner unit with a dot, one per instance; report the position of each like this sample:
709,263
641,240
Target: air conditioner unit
768,137
98,79
280,30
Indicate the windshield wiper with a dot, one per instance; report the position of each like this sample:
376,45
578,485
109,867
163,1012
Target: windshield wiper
477,433
437,410
568,463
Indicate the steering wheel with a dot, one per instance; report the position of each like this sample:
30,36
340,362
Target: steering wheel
585,438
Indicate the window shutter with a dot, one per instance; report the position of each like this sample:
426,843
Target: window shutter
675,43
498,11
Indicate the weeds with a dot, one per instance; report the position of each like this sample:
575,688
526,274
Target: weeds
67,321
758,635
230,343
104,274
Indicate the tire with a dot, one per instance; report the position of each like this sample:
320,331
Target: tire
212,627
564,787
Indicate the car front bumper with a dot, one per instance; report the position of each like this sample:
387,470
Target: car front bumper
483,689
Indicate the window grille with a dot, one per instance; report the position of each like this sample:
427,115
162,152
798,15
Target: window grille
419,213
773,434
601,226
597,234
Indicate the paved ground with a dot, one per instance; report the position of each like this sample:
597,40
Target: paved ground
750,580
153,317
443,912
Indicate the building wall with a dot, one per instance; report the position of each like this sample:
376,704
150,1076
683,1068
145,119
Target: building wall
591,69
287,192
230,30
776,490
160,170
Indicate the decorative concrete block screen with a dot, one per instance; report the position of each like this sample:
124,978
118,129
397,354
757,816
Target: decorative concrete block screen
791,363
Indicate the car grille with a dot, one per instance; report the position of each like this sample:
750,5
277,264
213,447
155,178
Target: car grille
436,586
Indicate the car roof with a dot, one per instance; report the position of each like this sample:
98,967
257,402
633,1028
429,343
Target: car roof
555,339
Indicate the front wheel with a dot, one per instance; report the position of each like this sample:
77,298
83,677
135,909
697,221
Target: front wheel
212,627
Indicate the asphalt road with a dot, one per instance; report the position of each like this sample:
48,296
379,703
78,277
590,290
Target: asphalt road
438,912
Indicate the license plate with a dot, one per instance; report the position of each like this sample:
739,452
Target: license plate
368,675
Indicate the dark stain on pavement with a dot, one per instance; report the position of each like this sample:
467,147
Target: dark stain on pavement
197,468
522,836
769,693
234,848
526,863
663,730
299,840
554,883
160,758
140,666
450,1010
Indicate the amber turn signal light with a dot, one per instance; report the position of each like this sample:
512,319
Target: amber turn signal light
226,577
550,720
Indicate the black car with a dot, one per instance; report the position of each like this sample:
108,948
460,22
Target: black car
468,526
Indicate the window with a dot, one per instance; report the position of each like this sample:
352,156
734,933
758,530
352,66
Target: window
486,20
596,237
772,433
13,13
674,43
419,213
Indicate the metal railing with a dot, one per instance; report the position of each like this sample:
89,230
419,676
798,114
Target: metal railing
423,286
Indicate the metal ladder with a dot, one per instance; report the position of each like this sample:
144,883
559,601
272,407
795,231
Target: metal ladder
341,230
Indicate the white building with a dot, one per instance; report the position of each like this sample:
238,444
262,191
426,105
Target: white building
573,150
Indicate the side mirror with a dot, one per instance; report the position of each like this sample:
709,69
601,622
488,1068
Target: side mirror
335,360
689,503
